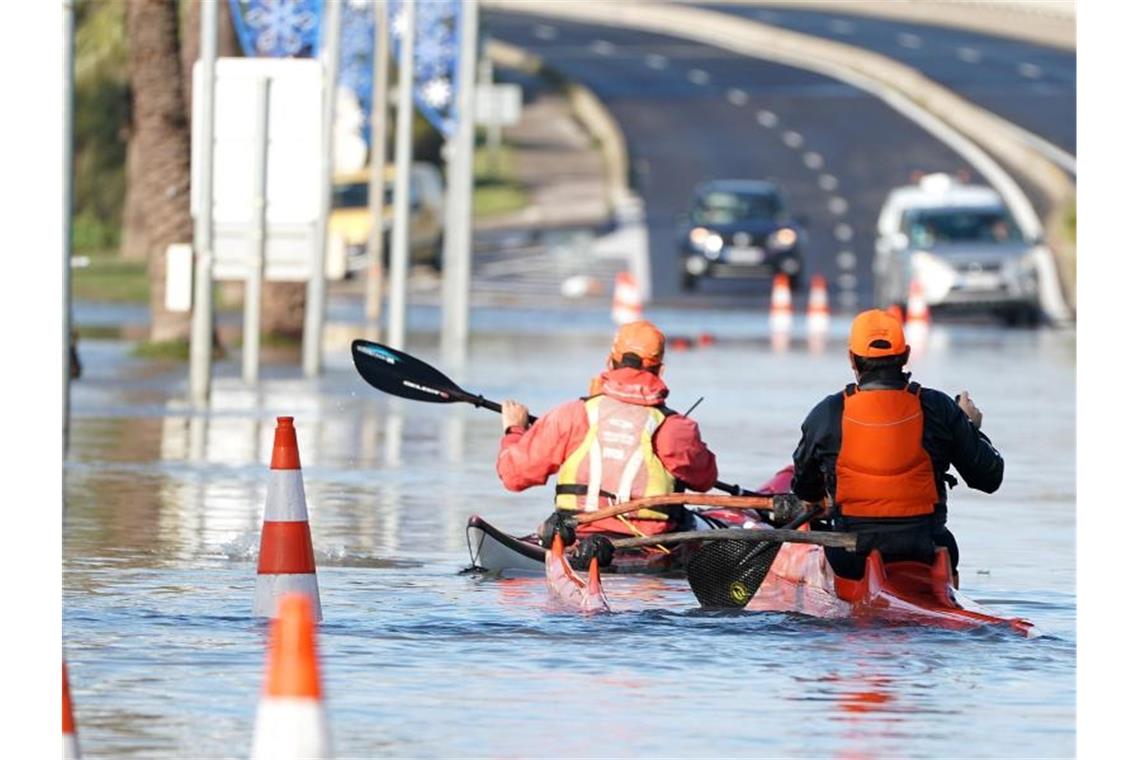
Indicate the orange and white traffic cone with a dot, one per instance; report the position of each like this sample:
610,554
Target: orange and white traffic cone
818,313
285,561
627,299
896,312
917,312
780,313
70,741
291,718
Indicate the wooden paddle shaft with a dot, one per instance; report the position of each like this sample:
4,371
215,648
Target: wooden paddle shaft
819,538
699,499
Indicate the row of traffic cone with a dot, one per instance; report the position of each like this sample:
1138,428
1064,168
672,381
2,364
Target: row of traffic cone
819,313
290,719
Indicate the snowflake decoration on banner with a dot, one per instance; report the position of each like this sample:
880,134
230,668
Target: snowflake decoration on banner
436,56
277,28
436,92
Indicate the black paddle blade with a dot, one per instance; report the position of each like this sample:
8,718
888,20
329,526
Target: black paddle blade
729,573
395,372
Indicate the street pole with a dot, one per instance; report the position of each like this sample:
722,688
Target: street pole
68,148
398,287
457,243
374,286
251,321
202,319
315,295
494,129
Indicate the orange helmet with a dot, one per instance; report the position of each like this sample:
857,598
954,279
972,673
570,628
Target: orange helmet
641,338
876,333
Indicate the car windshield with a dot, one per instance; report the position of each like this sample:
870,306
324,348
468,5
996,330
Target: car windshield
722,207
355,195
932,226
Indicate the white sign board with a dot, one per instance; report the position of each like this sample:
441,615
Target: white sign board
498,104
293,166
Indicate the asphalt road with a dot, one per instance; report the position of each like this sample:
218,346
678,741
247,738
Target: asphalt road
691,113
1033,86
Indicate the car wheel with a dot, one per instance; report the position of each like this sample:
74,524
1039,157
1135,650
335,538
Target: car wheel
794,282
688,282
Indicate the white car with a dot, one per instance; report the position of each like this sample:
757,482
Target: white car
960,243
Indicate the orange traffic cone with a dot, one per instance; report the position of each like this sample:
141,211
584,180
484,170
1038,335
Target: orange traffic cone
627,299
780,312
70,741
290,718
818,313
285,562
895,312
916,309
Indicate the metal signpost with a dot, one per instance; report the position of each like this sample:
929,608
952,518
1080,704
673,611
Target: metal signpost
202,320
374,285
251,322
399,254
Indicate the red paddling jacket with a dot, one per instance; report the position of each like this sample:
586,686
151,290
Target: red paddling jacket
881,450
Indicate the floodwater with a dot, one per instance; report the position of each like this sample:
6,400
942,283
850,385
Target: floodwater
163,517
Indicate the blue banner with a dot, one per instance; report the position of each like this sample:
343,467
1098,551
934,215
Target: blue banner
436,57
277,28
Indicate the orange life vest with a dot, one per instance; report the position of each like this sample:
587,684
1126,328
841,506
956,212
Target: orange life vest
882,470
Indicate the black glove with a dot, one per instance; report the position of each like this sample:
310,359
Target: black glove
785,508
590,547
561,523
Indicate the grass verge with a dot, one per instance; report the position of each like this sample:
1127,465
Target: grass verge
109,278
497,189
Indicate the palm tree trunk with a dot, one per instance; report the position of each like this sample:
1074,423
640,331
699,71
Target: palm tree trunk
159,160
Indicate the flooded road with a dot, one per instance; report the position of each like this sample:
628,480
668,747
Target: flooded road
163,518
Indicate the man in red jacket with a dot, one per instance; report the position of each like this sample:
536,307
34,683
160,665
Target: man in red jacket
620,443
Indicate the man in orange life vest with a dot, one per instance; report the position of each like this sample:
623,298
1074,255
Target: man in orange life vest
617,444
881,448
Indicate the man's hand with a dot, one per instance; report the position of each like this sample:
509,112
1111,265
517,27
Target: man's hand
590,547
967,406
514,414
560,523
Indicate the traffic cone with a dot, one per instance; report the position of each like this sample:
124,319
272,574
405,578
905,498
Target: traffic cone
917,312
627,299
780,312
818,313
896,312
291,718
705,339
285,561
70,741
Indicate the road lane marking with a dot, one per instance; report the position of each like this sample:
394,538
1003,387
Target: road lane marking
544,32
908,40
601,47
767,119
737,97
655,61
848,299
839,26
846,259
847,281
813,160
698,76
837,206
828,182
793,139
843,232
969,54
1029,70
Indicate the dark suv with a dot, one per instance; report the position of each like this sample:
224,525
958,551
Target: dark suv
739,228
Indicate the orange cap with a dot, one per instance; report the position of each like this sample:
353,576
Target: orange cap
293,669
641,338
876,333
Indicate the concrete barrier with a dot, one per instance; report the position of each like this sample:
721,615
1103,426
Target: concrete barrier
973,132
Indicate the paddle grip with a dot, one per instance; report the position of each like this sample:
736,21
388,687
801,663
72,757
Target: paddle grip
495,406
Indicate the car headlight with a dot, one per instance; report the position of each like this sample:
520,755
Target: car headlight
936,276
697,237
782,239
713,244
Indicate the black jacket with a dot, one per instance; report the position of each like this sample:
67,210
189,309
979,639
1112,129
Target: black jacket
948,437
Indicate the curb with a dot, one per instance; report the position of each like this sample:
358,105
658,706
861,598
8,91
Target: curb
974,133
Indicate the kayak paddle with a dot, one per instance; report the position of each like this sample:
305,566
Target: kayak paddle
403,375
745,535
729,573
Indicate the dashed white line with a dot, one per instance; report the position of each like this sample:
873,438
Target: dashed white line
793,139
1029,70
839,26
767,119
655,61
737,97
837,206
847,281
544,32
843,232
846,259
698,76
912,41
969,54
828,182
601,47
848,299
813,160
